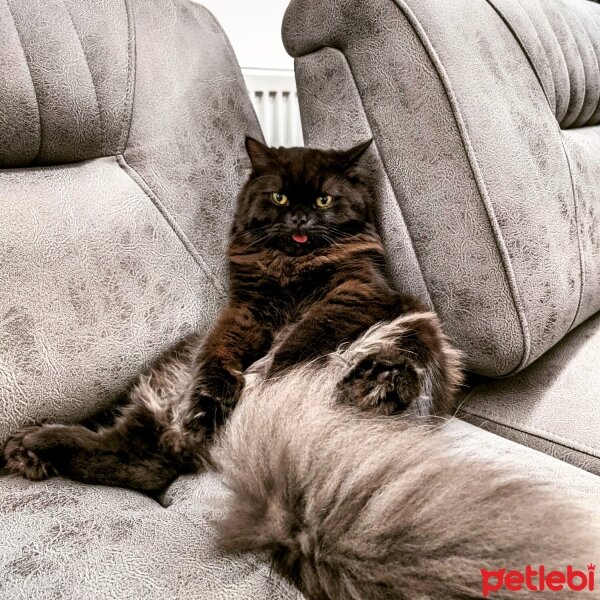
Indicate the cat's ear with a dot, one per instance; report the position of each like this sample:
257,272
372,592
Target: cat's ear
261,156
352,156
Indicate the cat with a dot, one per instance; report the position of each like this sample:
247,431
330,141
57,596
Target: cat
334,465
306,267
353,505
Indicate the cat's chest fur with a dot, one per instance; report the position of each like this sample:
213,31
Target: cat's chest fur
284,287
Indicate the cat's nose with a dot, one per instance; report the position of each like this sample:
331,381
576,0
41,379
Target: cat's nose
299,219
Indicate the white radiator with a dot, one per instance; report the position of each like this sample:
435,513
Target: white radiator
273,94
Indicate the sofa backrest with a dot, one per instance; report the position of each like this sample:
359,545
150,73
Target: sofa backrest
485,119
122,127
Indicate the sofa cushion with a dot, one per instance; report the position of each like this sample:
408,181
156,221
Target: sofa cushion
93,284
68,540
574,483
562,41
65,93
497,208
553,405
104,263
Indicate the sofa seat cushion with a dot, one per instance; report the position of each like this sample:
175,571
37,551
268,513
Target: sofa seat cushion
553,405
62,539
571,482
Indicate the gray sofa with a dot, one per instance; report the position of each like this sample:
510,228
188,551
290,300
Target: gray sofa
121,150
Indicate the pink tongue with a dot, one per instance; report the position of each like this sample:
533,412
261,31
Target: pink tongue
300,238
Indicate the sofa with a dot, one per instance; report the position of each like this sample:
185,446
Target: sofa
121,150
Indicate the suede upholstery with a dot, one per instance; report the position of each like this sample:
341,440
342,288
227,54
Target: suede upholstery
498,204
65,540
551,406
108,260
122,131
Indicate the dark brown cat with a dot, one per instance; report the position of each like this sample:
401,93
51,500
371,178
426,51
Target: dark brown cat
306,274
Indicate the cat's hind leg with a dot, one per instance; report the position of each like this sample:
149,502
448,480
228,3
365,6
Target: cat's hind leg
405,365
144,449
128,454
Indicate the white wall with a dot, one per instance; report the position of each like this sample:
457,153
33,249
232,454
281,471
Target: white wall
254,30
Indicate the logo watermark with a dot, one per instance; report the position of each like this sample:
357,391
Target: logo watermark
538,580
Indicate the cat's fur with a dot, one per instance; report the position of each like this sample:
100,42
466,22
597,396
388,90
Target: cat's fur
356,506
312,276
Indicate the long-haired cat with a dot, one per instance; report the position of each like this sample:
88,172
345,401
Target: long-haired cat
352,501
352,505
306,265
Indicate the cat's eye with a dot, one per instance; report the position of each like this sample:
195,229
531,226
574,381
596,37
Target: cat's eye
324,201
279,199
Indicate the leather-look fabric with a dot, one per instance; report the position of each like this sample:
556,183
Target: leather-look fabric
562,41
94,283
65,82
63,540
553,405
122,127
572,482
492,200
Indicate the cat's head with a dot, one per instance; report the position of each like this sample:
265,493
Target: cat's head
300,199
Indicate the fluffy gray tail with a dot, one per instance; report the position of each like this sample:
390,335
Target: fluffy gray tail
360,507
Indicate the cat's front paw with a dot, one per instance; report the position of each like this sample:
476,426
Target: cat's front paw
23,454
216,393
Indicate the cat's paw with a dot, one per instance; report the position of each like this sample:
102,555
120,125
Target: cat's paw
24,454
383,386
216,393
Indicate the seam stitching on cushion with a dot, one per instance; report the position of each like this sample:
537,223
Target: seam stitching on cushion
131,74
386,171
595,24
139,180
517,37
572,111
132,172
101,121
538,431
566,97
581,121
37,154
577,233
500,245
579,244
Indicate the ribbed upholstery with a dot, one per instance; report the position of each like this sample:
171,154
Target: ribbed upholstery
488,180
68,98
562,40
122,125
